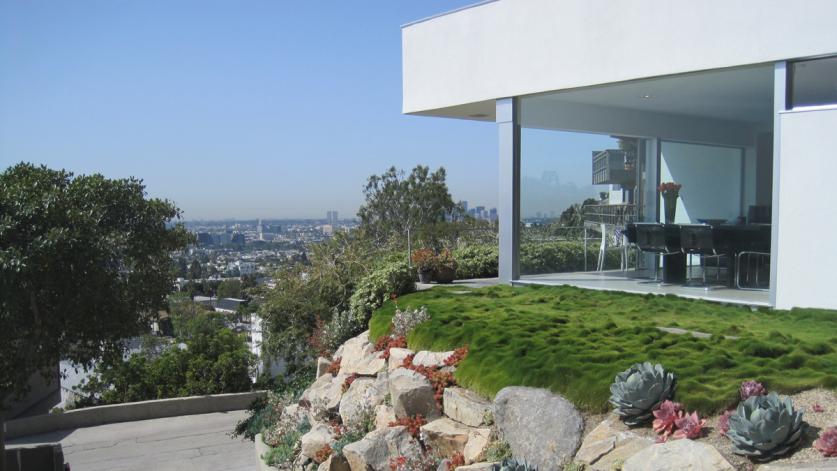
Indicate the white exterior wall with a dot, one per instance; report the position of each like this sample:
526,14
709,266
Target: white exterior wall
512,48
807,208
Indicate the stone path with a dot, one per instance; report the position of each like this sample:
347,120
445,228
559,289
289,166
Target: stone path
186,443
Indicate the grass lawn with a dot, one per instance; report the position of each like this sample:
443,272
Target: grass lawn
574,341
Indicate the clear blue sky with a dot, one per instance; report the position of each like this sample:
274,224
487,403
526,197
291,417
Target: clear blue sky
230,108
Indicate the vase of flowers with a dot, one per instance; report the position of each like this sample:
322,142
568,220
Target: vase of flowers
425,263
670,192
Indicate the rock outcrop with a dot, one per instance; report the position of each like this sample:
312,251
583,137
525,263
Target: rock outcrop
412,394
465,406
610,443
376,448
677,455
542,427
358,356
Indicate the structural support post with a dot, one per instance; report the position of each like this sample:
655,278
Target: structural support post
780,97
508,125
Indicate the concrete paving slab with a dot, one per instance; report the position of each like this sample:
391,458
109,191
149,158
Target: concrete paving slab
186,443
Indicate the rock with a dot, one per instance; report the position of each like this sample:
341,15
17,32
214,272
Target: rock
412,394
677,455
610,442
484,466
334,463
322,366
362,397
445,436
316,438
425,358
542,427
384,415
375,449
478,441
326,389
359,356
465,406
828,465
397,356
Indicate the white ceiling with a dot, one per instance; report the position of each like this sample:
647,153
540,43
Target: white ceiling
741,94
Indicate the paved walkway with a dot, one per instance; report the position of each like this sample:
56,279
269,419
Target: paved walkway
186,443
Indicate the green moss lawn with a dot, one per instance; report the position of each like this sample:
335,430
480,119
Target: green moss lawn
574,341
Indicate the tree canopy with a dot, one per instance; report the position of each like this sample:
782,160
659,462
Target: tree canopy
396,203
84,262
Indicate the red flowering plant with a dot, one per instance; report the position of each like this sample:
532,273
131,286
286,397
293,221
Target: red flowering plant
689,426
424,259
323,453
670,188
385,343
349,380
413,424
334,366
723,422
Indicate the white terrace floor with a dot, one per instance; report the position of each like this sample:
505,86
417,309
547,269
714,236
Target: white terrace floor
185,443
618,281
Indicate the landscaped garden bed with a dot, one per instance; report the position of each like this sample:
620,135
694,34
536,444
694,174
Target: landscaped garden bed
573,341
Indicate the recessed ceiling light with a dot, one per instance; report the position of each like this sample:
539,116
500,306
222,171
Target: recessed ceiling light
646,96
478,115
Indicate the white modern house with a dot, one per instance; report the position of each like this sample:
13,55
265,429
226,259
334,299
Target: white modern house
735,100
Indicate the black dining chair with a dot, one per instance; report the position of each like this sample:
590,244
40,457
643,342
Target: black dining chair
651,238
699,239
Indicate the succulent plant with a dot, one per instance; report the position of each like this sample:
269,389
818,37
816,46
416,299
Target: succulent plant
689,426
511,464
751,388
665,416
640,389
827,443
723,423
764,427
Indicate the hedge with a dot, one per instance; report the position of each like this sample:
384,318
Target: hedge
480,261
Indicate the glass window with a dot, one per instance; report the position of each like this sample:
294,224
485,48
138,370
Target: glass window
813,82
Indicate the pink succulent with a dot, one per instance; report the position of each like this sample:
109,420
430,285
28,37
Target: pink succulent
665,417
751,388
723,423
689,426
818,408
827,443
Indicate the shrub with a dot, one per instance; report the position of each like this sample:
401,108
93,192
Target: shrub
283,438
376,287
477,261
424,259
404,321
562,256
328,336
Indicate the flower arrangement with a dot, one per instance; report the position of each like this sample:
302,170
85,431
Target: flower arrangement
670,188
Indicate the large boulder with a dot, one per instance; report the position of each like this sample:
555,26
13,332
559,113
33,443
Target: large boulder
484,466
362,397
412,394
397,357
445,436
677,455
426,358
610,443
358,356
318,437
376,448
465,406
541,427
325,390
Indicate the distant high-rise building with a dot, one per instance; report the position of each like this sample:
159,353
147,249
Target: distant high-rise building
260,230
331,217
464,205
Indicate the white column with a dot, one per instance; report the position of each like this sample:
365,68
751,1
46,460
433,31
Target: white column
508,125
780,77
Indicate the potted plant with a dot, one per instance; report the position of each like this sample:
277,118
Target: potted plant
445,267
425,263
670,191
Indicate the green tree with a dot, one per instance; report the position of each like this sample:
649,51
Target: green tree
229,289
397,206
84,262
195,270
